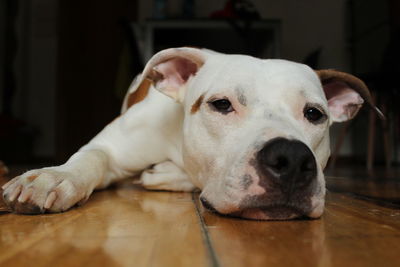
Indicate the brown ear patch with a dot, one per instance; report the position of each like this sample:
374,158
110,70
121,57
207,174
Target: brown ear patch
197,104
140,93
328,76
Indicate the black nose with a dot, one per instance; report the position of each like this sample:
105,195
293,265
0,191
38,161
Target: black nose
290,164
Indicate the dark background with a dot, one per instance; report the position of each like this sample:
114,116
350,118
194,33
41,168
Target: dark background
60,62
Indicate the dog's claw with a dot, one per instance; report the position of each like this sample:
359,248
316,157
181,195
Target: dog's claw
7,185
15,193
25,195
50,200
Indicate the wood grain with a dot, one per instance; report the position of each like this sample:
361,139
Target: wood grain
123,226
126,225
350,231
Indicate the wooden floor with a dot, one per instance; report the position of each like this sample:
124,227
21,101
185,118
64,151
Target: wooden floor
128,226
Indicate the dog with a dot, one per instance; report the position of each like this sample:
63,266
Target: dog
251,134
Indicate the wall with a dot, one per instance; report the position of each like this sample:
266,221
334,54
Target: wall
63,49
2,33
42,76
36,71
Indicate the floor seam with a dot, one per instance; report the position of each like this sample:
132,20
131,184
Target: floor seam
206,236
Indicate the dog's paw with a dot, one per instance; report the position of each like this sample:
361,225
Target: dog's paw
44,190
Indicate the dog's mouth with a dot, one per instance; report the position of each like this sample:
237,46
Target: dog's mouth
271,213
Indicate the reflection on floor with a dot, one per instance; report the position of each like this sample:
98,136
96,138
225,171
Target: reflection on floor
128,226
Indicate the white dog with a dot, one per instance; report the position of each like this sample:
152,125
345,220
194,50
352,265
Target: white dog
251,134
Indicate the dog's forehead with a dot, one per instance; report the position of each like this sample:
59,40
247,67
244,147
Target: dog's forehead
253,76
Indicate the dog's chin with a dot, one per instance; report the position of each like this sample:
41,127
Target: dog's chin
275,213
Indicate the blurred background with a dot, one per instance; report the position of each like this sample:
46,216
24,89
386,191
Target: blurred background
66,64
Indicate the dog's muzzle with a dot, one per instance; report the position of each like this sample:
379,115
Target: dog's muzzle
287,170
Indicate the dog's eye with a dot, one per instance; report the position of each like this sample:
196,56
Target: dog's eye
313,115
222,105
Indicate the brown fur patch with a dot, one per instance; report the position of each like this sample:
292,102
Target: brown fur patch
196,105
32,178
327,76
140,93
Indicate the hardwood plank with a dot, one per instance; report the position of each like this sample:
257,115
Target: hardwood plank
360,173
122,226
126,225
351,233
381,191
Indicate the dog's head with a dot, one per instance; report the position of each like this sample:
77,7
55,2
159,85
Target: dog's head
256,132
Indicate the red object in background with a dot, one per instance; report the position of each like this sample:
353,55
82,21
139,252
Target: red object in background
227,12
236,9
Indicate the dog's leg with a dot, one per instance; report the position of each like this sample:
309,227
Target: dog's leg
166,176
129,144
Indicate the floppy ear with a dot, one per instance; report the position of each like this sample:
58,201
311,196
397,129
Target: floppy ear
345,94
170,69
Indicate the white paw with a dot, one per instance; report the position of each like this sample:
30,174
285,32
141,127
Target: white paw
166,176
43,190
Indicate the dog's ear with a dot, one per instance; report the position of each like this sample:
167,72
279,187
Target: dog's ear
170,69
345,94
